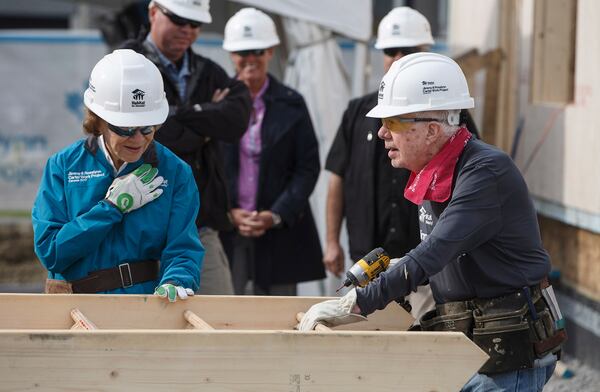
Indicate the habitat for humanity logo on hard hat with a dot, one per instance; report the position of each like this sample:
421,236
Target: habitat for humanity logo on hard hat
138,98
247,31
381,88
396,29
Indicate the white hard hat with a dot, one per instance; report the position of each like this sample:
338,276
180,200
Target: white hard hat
198,10
249,29
126,89
421,82
403,27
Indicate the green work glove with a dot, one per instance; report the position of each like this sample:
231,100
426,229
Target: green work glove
171,292
135,189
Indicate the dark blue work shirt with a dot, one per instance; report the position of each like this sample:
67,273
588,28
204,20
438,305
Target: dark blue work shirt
482,243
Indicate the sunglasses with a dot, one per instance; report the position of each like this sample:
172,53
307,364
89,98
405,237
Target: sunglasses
393,52
130,131
178,20
255,52
398,124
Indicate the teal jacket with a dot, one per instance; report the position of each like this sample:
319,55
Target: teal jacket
76,232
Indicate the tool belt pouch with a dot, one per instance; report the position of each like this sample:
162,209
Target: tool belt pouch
550,332
546,337
55,286
505,337
457,322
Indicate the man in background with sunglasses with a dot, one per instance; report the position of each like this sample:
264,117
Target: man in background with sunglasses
363,187
205,107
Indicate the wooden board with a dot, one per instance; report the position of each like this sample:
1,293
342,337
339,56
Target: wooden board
223,360
554,41
235,361
39,311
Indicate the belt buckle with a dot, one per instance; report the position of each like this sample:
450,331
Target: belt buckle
126,280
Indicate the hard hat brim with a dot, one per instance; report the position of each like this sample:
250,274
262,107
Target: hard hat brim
385,111
401,43
249,45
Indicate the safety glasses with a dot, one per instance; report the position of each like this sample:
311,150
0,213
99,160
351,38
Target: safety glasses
398,124
255,52
130,131
178,20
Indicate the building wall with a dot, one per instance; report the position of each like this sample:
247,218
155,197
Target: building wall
556,145
575,253
567,136
558,154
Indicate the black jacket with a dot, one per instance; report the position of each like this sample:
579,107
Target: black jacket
288,171
482,243
194,134
353,156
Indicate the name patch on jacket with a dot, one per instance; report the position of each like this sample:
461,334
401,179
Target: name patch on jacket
84,176
427,219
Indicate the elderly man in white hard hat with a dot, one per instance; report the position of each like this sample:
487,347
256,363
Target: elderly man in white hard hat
481,249
206,108
104,219
272,171
363,187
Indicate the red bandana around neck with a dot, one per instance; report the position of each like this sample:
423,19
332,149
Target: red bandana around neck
434,181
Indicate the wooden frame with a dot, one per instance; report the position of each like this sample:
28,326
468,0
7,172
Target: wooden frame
141,343
554,41
472,62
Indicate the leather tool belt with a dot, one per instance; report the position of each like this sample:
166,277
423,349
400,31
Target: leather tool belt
505,327
122,276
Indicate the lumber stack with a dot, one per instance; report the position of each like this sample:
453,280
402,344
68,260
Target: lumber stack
217,343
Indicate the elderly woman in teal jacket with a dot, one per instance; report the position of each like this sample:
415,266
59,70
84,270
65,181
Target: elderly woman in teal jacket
115,212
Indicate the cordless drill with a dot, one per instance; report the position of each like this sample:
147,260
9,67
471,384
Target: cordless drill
367,268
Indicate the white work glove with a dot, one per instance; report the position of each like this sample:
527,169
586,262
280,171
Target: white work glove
135,189
331,313
171,292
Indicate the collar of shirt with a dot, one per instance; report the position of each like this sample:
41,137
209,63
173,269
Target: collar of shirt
256,117
250,149
258,105
179,77
262,90
108,158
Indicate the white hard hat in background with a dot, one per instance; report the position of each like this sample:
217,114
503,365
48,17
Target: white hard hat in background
198,10
421,82
126,89
249,29
403,27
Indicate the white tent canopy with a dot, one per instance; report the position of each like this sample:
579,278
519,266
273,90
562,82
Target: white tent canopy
351,18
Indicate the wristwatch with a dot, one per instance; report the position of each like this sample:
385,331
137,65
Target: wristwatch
276,219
